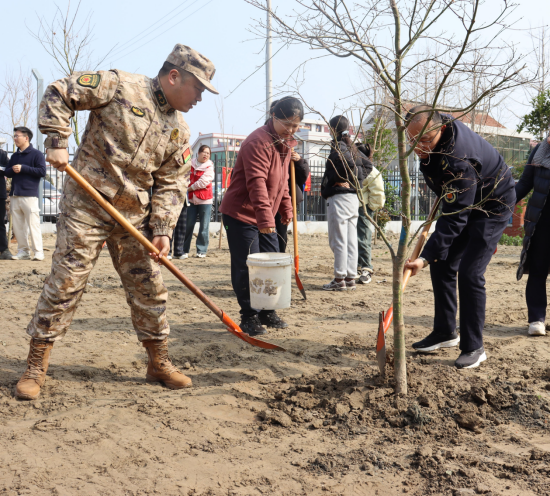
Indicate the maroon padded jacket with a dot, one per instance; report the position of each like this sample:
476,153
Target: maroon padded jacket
259,182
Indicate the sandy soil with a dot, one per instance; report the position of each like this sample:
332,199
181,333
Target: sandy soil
314,420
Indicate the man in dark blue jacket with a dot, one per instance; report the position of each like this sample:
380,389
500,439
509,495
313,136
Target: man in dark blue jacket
477,195
5,253
26,167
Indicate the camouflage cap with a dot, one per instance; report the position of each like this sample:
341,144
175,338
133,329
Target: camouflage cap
193,62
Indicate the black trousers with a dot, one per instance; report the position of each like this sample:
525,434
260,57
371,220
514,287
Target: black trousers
3,235
282,233
178,237
538,258
243,239
468,256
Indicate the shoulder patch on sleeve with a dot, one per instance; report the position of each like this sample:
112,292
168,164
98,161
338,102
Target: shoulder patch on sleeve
450,197
89,80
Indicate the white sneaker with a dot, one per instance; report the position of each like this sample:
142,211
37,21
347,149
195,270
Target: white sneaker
22,255
183,257
39,255
169,257
537,329
201,255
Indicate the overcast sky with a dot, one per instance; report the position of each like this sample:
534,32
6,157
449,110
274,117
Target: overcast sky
219,29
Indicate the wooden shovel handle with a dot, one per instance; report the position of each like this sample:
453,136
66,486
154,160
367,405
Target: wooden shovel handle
294,215
112,211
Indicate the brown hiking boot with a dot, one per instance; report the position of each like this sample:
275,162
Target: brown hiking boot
160,368
28,387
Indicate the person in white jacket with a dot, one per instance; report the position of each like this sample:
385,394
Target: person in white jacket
374,198
200,197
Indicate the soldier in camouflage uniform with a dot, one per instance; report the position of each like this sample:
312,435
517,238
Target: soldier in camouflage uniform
135,141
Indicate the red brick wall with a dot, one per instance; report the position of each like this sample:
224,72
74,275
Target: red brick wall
516,228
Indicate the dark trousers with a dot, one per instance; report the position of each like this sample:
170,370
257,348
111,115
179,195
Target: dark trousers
364,239
178,238
282,233
203,214
3,235
538,258
469,255
244,239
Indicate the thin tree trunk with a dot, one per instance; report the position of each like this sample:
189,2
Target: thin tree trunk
400,368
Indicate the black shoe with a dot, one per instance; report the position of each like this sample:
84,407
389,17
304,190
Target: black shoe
252,326
471,360
437,340
271,319
6,255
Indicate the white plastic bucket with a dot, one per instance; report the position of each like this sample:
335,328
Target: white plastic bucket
269,277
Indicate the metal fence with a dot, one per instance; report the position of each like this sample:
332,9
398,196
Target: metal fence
313,207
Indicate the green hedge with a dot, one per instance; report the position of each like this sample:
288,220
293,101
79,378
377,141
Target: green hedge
510,240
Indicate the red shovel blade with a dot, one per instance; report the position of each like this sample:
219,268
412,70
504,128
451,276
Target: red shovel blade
236,330
381,345
297,277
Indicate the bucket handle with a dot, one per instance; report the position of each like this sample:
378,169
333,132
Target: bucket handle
258,235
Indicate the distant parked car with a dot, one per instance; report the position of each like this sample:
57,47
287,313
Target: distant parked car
51,198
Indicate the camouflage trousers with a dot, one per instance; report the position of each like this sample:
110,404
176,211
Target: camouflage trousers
82,228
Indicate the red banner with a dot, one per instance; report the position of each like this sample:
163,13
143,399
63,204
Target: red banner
308,183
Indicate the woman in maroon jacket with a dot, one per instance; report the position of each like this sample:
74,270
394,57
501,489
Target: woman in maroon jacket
258,191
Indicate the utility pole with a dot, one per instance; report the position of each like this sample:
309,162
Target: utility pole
39,137
268,76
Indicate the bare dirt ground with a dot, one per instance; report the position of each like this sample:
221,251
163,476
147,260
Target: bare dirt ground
314,420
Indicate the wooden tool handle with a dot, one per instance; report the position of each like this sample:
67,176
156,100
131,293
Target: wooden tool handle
294,213
420,242
112,211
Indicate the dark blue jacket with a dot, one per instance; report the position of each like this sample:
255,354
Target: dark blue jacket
3,163
536,178
464,168
26,182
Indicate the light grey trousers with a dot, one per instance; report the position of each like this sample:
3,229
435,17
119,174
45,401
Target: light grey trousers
342,214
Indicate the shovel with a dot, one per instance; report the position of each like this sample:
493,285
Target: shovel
387,318
232,327
295,230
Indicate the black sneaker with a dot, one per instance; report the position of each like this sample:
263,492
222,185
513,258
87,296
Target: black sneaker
6,255
437,340
252,326
471,360
271,319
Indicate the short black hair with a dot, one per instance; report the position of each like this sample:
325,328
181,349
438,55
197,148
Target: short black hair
203,147
25,130
167,67
287,107
422,112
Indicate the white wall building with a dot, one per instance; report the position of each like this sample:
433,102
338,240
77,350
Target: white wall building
218,143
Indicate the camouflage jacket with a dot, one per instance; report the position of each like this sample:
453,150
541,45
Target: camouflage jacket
134,141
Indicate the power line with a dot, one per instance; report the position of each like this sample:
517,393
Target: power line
123,47
164,32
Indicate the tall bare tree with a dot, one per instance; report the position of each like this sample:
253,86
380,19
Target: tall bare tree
392,38
67,38
17,101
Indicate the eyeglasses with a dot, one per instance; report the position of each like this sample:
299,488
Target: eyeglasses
18,135
411,140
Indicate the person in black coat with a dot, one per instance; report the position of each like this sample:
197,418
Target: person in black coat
477,195
301,169
345,170
5,253
534,259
